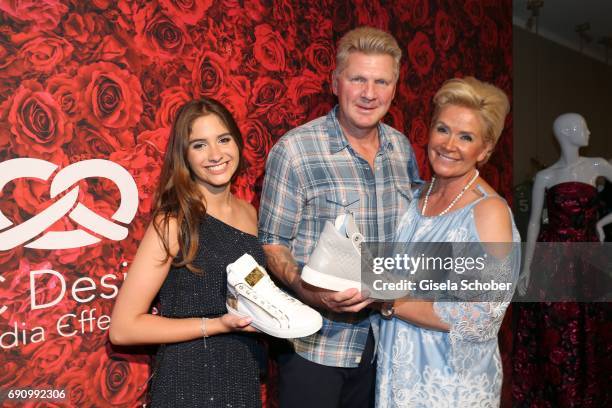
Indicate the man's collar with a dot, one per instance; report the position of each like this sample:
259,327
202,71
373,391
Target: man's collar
337,139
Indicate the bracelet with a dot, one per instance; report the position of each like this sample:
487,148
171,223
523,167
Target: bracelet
204,332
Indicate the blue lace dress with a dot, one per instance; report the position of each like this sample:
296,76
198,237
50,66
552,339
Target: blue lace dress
418,367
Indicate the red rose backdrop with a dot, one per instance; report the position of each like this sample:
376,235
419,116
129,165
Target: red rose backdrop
97,84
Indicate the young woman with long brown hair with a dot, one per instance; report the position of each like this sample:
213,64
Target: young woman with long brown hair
207,357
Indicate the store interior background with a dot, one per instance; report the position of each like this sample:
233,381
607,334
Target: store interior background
556,70
555,74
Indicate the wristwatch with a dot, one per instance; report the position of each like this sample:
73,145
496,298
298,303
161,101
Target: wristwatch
387,311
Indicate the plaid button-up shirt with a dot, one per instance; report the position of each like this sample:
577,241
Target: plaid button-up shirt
314,175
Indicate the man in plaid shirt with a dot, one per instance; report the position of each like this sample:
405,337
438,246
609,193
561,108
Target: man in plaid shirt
346,161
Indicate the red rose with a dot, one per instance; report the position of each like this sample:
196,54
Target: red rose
245,186
32,195
266,93
10,67
171,101
448,65
75,28
157,138
112,96
488,33
144,164
269,48
9,258
416,12
152,80
111,49
319,28
38,125
420,53
95,143
256,144
118,380
408,87
302,88
240,35
371,13
254,9
419,132
237,89
77,386
321,105
217,38
419,14
52,356
101,4
44,14
157,36
474,10
320,56
445,32
65,92
42,52
284,116
188,11
342,15
84,28
208,74
11,367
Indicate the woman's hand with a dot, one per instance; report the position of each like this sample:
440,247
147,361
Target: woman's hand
232,323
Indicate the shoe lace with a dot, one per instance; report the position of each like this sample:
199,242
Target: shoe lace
270,289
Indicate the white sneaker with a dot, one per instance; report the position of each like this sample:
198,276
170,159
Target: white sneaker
251,292
335,263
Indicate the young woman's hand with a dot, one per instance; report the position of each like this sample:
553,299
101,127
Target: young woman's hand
233,323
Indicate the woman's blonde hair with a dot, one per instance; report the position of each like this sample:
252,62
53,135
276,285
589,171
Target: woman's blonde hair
370,41
490,102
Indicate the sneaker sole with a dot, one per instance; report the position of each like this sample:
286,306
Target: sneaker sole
321,280
282,334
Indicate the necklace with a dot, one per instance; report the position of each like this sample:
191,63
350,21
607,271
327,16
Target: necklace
433,181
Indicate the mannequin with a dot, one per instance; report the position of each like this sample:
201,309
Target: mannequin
560,348
604,220
572,133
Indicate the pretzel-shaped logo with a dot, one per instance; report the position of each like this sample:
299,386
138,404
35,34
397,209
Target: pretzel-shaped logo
41,169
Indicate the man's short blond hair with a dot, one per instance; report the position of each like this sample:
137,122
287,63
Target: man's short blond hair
370,41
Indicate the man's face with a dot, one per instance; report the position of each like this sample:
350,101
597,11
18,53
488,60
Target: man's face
365,89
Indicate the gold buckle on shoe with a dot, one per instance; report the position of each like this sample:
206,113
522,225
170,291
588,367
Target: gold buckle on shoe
255,276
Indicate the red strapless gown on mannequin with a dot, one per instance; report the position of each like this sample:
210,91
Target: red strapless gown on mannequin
561,351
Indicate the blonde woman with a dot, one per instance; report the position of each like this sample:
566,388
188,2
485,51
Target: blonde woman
443,354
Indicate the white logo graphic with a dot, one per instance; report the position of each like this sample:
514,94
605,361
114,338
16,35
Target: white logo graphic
41,169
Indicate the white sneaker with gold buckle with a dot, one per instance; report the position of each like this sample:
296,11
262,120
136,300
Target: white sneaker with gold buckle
251,292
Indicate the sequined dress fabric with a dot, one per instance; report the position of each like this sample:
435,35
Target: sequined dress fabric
561,351
222,371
